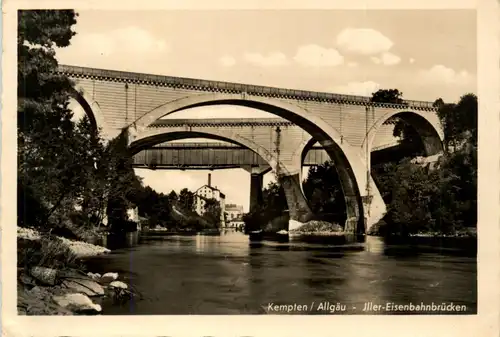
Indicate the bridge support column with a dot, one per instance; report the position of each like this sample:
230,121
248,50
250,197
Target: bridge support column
373,210
256,184
256,181
297,204
353,220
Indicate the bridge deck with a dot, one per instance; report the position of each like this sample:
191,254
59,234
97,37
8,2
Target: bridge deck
171,122
229,87
215,155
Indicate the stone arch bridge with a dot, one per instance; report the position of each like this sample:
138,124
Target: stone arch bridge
345,127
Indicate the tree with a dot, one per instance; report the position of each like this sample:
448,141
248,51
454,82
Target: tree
186,199
274,199
459,121
173,197
324,193
458,190
121,180
48,151
212,212
387,96
414,195
438,103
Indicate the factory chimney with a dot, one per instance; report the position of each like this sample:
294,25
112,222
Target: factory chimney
209,180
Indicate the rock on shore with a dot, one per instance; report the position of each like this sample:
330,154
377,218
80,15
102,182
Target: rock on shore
316,227
79,248
77,302
47,291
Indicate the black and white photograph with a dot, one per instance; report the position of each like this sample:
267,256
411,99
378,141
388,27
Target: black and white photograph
247,162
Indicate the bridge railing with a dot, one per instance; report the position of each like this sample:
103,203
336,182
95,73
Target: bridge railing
231,87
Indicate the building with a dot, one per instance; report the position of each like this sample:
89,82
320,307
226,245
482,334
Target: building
236,224
234,212
207,192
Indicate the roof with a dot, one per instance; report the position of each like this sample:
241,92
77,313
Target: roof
222,195
210,187
206,199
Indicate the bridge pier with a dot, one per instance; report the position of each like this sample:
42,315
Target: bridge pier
297,204
256,182
353,220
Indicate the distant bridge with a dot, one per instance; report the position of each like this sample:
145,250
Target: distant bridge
216,156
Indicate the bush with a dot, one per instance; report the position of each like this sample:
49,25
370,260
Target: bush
47,252
422,200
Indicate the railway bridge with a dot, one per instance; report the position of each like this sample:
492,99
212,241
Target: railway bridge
344,126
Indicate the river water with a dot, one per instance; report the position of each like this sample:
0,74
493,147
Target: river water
228,274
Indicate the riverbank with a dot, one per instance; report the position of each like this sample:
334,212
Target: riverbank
80,249
51,280
383,229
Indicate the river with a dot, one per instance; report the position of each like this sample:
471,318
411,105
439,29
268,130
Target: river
227,274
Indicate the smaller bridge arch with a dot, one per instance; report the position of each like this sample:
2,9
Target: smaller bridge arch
155,136
296,201
426,125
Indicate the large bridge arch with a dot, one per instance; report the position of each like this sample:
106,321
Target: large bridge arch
426,125
364,205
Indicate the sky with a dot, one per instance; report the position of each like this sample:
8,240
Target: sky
426,54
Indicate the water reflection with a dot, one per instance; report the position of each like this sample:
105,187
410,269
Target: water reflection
227,274
374,245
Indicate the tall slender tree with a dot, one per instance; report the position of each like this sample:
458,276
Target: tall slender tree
47,164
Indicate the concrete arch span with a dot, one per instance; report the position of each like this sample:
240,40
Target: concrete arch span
299,209
426,125
92,110
155,136
364,203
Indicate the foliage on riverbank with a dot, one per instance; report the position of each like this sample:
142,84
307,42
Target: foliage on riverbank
440,199
318,227
45,252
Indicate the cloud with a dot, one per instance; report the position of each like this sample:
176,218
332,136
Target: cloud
387,59
444,75
356,88
316,56
411,60
352,64
227,61
272,59
390,59
363,41
128,48
130,40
